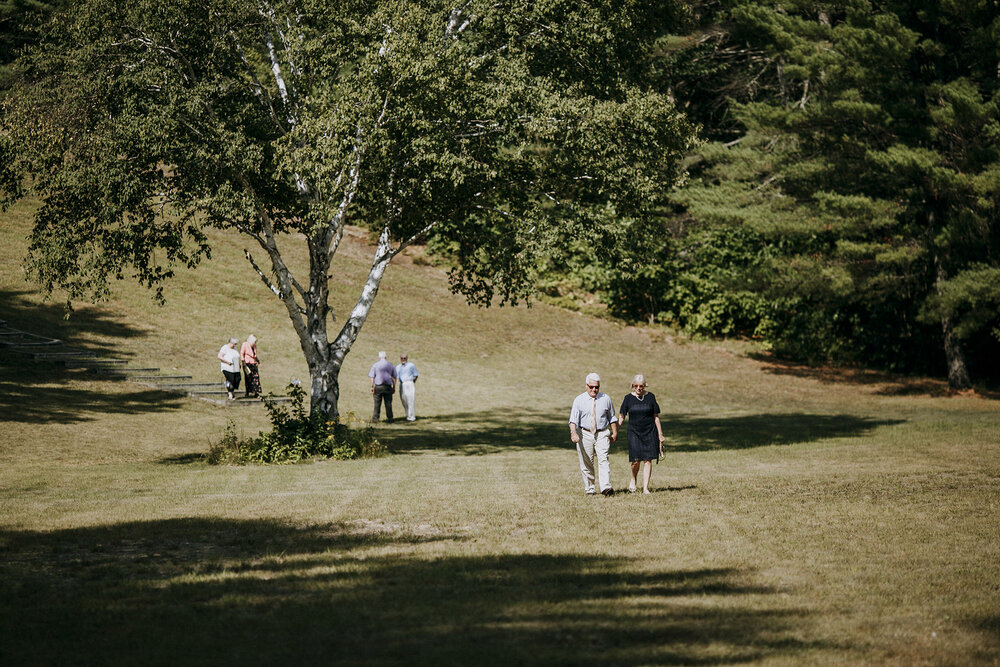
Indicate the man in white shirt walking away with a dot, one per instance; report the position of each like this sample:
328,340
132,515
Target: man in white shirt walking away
406,373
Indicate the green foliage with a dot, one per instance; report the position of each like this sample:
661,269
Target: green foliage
295,436
866,171
496,126
697,280
971,299
525,116
19,22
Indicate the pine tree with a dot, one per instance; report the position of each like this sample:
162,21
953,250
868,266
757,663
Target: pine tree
869,165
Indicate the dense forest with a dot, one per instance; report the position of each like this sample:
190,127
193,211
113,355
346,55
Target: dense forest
844,205
843,202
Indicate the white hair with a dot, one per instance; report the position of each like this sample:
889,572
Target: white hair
639,379
381,355
593,377
234,339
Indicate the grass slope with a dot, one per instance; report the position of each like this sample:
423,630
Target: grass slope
799,517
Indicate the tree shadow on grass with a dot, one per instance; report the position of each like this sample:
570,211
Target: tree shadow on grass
695,433
476,433
484,433
49,320
215,591
36,392
884,383
44,394
987,627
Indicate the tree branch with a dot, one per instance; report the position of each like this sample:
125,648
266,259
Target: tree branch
456,25
336,226
413,239
264,278
349,332
805,95
279,78
258,88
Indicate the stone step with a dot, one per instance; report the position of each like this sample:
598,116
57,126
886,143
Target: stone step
241,402
187,386
24,342
212,392
51,349
14,333
222,393
56,356
111,370
94,362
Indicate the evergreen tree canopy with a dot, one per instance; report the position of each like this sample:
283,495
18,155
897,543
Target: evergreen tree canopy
866,180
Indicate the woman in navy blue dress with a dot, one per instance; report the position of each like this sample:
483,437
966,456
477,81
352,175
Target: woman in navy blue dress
645,435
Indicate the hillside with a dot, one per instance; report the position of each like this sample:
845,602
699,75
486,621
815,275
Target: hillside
539,354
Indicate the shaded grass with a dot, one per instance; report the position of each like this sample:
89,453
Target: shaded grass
253,584
484,432
45,393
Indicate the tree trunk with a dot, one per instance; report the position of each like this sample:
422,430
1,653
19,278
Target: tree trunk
324,358
324,388
958,372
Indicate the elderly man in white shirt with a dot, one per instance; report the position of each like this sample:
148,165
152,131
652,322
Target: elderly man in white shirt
592,428
406,373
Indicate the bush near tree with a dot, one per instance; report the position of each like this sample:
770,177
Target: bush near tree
296,435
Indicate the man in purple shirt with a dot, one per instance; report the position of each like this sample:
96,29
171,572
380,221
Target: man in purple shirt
383,381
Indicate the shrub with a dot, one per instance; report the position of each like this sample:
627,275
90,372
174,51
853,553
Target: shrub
296,436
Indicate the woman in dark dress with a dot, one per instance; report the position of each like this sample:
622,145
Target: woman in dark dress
645,435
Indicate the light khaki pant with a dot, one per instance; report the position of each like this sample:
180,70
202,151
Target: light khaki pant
407,393
588,448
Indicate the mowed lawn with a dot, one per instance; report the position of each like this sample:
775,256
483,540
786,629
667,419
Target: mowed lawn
800,517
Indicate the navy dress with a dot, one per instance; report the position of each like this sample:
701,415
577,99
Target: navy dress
643,439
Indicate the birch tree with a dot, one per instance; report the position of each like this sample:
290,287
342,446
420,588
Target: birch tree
140,124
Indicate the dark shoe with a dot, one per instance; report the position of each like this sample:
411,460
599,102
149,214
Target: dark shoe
608,492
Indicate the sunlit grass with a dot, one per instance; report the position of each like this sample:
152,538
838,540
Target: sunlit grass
799,518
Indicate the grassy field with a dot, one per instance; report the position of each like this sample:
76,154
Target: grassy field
800,517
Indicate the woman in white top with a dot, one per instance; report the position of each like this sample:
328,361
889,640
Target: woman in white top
230,358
